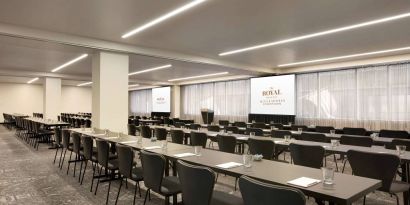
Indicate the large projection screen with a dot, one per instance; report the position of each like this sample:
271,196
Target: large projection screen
274,95
161,99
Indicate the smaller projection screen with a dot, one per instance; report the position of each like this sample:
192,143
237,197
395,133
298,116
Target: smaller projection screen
274,95
161,99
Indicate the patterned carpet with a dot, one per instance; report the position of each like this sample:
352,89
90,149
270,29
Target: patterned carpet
28,176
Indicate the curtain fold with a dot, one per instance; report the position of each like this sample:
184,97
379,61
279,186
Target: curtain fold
140,102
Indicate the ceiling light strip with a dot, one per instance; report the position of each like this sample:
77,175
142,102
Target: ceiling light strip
163,18
198,76
151,69
344,57
83,84
32,80
346,28
134,85
69,63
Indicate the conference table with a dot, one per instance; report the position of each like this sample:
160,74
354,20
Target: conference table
346,190
48,123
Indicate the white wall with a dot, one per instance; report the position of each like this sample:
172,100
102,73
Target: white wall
20,98
28,98
76,99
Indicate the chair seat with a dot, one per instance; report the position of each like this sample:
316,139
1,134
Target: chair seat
170,186
398,187
137,174
223,198
113,164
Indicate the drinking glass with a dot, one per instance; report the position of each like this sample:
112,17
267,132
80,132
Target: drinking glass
82,128
164,144
332,132
401,149
272,127
197,150
328,175
230,132
139,139
334,143
300,130
287,138
253,121
247,160
252,134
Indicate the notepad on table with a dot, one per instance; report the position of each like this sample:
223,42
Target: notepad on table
152,147
229,165
129,142
304,182
242,138
184,155
111,137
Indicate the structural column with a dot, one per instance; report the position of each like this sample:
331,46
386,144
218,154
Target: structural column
110,91
51,98
176,101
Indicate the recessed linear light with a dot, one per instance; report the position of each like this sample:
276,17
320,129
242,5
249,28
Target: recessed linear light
32,80
346,56
69,63
322,33
163,18
134,85
151,69
198,76
83,84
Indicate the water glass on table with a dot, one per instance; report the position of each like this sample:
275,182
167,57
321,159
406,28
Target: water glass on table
197,150
328,175
401,149
332,132
247,160
251,134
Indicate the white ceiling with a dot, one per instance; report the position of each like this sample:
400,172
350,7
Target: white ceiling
204,31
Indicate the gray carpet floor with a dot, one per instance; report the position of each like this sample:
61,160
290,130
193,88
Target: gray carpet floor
28,176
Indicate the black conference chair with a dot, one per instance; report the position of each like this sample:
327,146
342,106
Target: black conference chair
313,137
153,168
260,125
76,137
89,154
261,146
224,123
194,126
277,125
127,170
232,129
280,133
87,123
239,124
396,142
324,129
355,141
197,185
177,136
366,164
354,131
226,143
296,127
179,124
161,133
198,139
259,193
66,145
213,128
132,129
57,142
257,131
400,134
307,155
145,131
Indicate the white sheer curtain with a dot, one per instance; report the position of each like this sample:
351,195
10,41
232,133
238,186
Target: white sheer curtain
374,98
140,102
229,100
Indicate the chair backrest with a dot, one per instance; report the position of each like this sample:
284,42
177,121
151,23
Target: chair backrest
132,129
177,136
356,141
223,122
277,125
401,134
258,193
161,133
324,129
259,125
280,133
239,124
179,124
194,126
103,149
153,168
213,128
354,131
232,129
380,166
66,138
76,137
296,127
198,139
257,131
88,123
125,160
197,183
314,137
87,146
57,135
145,131
307,155
260,146
396,142
226,143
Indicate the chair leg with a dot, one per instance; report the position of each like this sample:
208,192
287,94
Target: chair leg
94,165
108,192
175,199
55,156
85,168
167,200
75,163
68,167
364,200
98,181
334,157
344,165
146,195
139,188
118,194
135,192
62,162
81,169
126,183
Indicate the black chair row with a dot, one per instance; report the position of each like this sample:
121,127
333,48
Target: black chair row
32,132
76,121
37,115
